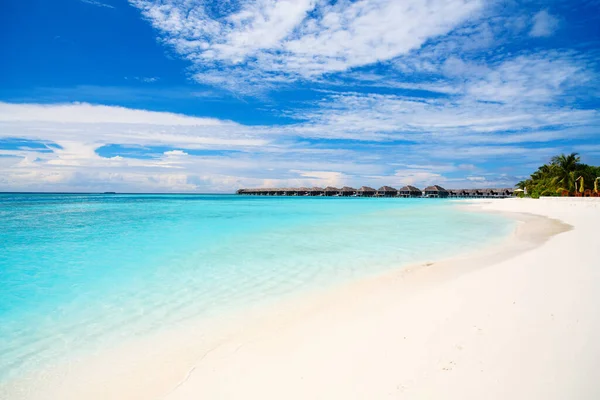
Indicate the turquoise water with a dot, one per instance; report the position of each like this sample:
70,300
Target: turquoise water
81,271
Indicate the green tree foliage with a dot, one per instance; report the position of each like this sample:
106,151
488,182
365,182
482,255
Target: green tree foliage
559,175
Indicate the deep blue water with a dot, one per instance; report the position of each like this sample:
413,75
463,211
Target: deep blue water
81,271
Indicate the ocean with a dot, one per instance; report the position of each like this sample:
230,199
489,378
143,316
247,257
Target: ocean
80,272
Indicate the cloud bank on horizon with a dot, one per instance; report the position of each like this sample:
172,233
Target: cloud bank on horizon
468,93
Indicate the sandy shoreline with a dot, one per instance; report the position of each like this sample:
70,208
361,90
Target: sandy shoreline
517,320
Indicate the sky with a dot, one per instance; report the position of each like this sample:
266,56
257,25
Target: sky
210,96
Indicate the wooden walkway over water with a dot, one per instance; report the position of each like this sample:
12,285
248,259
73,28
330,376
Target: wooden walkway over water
434,191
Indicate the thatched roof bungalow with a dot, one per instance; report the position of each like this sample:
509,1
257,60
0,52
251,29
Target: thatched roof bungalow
366,191
435,191
387,191
409,191
347,191
331,191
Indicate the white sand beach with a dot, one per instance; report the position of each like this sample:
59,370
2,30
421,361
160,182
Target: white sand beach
526,327
518,321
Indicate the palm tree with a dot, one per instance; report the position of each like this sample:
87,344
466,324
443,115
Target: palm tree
565,167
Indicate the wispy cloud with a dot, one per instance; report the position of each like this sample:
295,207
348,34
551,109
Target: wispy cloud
274,40
97,3
350,139
145,79
539,77
544,24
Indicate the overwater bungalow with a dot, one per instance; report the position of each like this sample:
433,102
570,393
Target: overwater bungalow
387,191
347,191
303,191
409,191
366,191
458,193
331,191
489,193
435,191
317,191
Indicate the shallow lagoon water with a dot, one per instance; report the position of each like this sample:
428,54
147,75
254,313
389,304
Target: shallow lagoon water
78,272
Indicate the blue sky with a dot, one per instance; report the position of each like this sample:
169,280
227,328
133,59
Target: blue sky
210,96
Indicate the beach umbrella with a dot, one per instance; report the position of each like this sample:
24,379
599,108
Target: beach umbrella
596,184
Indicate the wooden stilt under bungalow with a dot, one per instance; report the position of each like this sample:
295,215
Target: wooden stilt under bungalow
331,191
317,191
387,191
489,193
303,191
435,191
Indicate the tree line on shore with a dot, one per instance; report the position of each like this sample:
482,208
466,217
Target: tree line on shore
564,174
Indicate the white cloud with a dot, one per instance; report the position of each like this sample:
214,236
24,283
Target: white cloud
145,79
443,136
544,24
415,176
90,114
537,77
283,39
175,153
389,117
320,178
476,178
